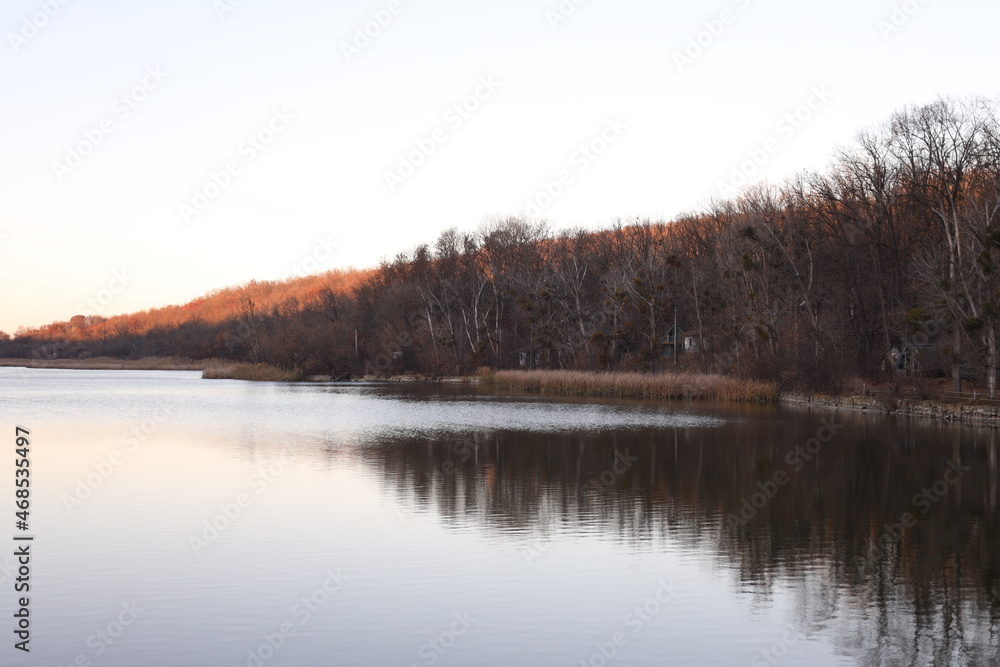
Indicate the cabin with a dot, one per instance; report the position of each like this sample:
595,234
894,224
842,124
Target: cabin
529,357
917,359
680,340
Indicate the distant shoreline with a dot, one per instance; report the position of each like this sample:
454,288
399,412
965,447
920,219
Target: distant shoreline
971,412
113,364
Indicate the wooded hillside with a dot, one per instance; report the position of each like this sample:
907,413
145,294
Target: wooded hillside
809,282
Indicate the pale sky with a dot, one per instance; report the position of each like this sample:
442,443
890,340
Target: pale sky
115,113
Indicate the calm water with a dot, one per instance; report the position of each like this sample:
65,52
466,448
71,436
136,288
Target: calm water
394,525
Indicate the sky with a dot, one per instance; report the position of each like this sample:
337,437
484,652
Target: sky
151,152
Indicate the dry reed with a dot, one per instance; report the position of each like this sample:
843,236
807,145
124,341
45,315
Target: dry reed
252,373
658,386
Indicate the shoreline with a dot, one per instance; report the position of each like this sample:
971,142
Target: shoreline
114,364
951,412
963,413
968,413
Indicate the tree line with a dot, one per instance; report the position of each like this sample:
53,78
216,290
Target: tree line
810,282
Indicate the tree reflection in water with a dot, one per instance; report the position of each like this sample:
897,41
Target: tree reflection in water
927,592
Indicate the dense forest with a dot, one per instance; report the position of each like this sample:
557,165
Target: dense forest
811,282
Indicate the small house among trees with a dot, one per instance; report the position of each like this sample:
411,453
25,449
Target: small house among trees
679,340
918,359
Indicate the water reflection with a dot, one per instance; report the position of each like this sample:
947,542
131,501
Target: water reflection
887,532
550,520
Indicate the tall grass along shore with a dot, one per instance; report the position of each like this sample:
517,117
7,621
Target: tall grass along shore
252,372
658,386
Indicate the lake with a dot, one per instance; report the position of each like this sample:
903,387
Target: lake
186,522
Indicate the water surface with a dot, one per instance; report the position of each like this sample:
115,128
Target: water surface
446,525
